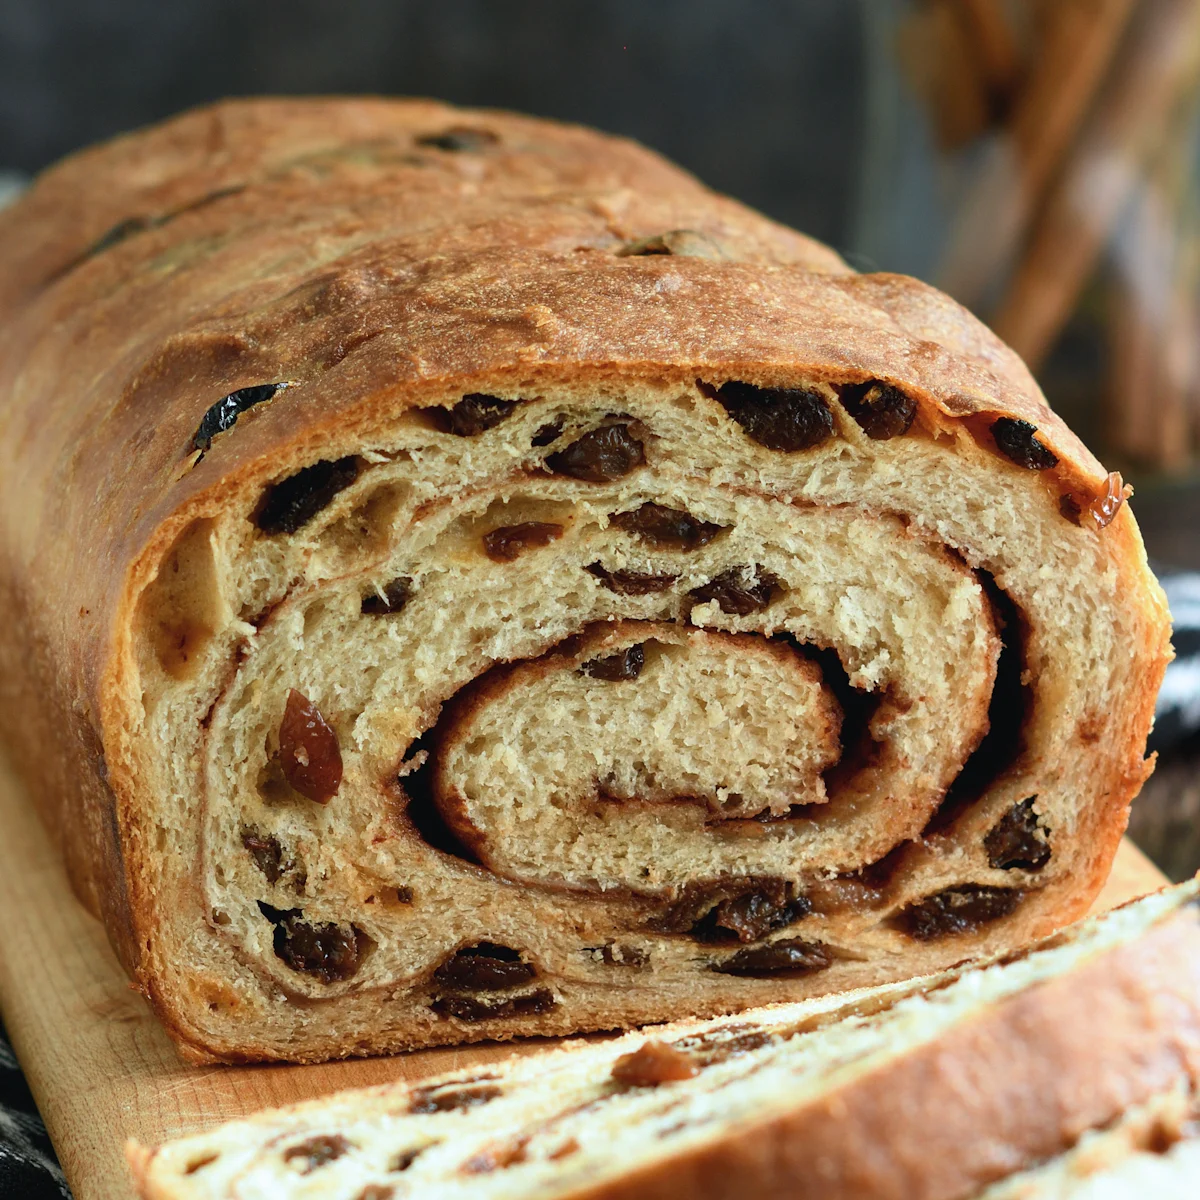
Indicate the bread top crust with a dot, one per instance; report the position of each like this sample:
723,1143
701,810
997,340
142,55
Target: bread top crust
321,243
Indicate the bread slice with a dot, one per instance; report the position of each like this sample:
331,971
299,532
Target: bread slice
463,579
924,1091
1152,1151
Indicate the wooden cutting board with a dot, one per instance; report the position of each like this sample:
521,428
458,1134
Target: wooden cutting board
100,1067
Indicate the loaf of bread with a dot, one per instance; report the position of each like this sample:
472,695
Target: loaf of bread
464,579
923,1091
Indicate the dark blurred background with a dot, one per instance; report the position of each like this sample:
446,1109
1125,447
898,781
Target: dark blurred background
1035,157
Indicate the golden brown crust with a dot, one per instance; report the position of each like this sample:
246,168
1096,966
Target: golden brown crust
320,242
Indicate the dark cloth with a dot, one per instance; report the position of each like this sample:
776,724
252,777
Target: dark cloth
28,1166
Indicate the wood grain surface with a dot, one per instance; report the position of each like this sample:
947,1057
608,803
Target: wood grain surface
100,1067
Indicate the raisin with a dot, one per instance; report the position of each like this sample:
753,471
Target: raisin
745,909
309,755
496,1156
460,139
615,954
550,432
601,456
465,1008
484,967
1016,441
792,955
405,1159
786,419
651,1064
511,541
291,503
266,852
957,911
1070,508
631,583
224,414
684,243
725,1041
437,1099
1017,840
627,664
664,527
883,411
377,1191
395,596
317,1151
329,952
472,414
739,591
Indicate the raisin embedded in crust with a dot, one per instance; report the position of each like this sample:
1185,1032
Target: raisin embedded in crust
600,456
317,1151
309,755
466,1008
627,664
472,415
667,528
739,591
511,541
484,967
790,956
1016,441
396,594
224,414
460,139
957,910
787,419
1017,840
631,583
651,1064
291,503
881,410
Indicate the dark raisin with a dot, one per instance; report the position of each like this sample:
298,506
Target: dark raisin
484,967
328,952
472,414
684,243
440,1099
882,410
957,910
631,583
601,456
511,541
266,852
291,503
651,1064
309,756
741,909
627,664
1015,439
460,138
664,527
395,596
224,414
405,1158
739,591
1070,508
317,1151
550,432
779,418
1018,840
792,955
466,1008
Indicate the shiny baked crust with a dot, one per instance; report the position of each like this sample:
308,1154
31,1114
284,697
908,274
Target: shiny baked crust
384,259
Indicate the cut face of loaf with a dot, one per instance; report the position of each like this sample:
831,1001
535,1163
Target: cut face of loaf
921,1091
467,580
